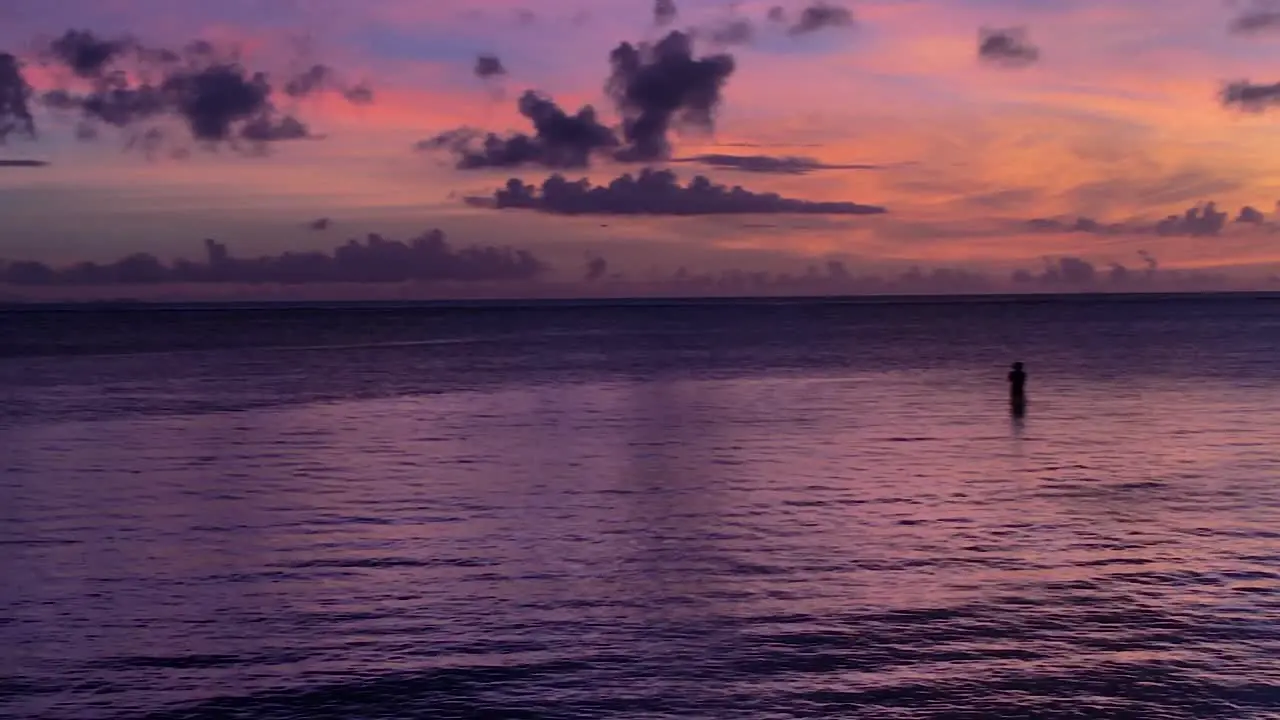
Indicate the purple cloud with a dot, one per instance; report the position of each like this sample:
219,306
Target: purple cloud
664,12
655,192
659,86
488,66
1007,46
560,140
1259,17
15,99
770,164
426,258
213,94
817,17
1198,221
1249,96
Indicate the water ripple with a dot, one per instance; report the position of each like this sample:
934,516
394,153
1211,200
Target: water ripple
586,524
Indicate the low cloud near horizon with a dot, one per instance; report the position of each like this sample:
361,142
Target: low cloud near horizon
429,264
1202,220
426,258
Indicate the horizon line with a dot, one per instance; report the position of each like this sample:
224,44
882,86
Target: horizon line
11,305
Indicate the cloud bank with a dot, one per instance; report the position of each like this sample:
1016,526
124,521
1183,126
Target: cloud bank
1077,273
428,258
1198,221
655,192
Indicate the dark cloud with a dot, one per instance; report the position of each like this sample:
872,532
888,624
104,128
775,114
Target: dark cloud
1078,273
656,192
1118,274
597,267
1259,17
818,16
664,12
316,78
86,54
23,163
526,17
213,100
427,258
777,14
770,164
456,139
655,87
1079,225
222,102
320,224
1250,215
209,90
1198,221
1060,271
488,66
1195,222
15,99
659,86
1073,270
274,130
560,140
1250,97
1007,46
119,106
734,31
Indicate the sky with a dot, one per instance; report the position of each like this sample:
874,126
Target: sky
1029,141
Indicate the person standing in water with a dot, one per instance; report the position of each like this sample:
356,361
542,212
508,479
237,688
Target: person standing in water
1018,387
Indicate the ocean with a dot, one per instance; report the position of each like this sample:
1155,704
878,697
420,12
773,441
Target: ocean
809,508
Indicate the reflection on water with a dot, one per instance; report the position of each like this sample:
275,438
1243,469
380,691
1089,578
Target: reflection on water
642,539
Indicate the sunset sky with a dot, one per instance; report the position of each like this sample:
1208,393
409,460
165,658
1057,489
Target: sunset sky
1111,110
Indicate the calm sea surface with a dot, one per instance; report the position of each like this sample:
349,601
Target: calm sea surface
699,510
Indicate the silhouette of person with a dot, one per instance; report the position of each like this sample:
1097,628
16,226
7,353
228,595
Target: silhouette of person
1018,388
